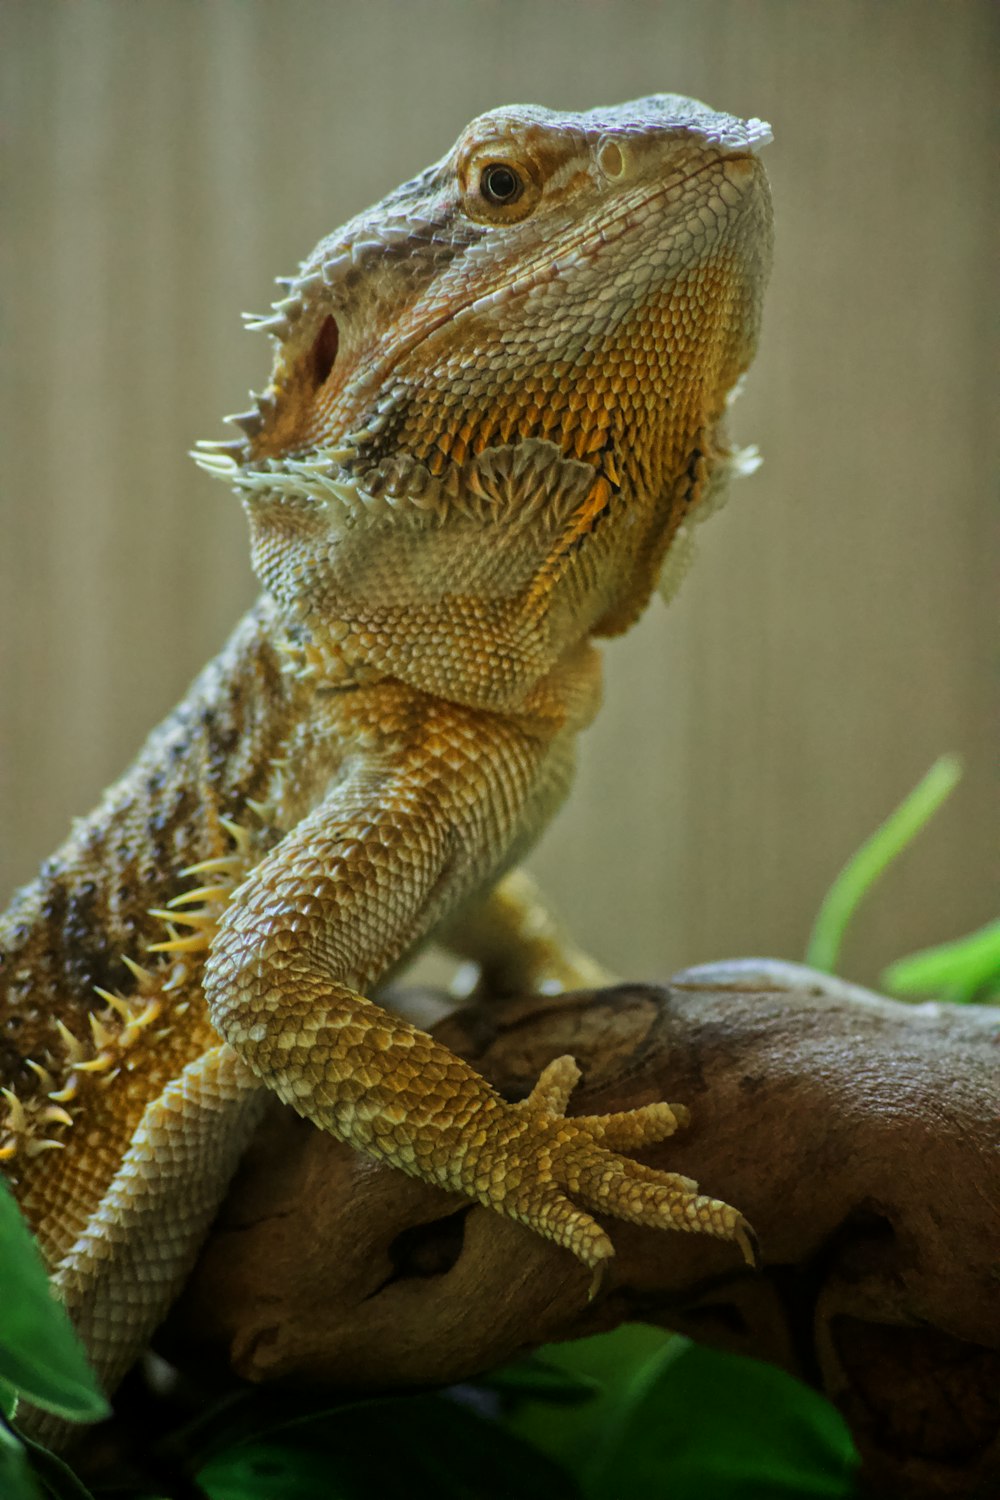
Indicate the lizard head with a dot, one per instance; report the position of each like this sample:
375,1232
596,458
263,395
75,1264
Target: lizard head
498,394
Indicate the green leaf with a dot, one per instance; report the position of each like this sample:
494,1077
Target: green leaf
40,1354
57,1478
608,1362
961,971
541,1379
264,1470
699,1423
872,859
16,1479
443,1449
249,1417
677,1420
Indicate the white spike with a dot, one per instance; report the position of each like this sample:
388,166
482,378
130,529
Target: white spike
75,1050
202,893
143,975
42,1074
98,1064
52,1114
226,864
36,1147
102,1036
239,835
17,1119
223,447
278,325
333,267
178,977
199,920
217,464
120,1006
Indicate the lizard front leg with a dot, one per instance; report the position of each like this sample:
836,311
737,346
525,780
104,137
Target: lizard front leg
413,825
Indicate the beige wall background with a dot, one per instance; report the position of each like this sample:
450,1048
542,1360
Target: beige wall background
166,159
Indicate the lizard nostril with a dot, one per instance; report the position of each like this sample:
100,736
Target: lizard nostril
324,351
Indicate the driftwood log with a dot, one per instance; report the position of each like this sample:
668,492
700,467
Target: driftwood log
859,1136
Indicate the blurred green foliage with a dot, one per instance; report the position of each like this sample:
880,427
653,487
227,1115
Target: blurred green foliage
41,1358
673,1418
855,881
965,970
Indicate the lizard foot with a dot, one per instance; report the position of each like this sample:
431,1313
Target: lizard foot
552,1162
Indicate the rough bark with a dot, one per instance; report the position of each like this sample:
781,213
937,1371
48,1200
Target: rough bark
859,1136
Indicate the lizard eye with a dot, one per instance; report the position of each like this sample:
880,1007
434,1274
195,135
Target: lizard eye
498,189
499,183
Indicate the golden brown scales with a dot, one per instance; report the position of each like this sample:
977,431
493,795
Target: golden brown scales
497,397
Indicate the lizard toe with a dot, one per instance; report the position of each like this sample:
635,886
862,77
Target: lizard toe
633,1128
550,1213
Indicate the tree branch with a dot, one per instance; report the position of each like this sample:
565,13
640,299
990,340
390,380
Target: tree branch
859,1136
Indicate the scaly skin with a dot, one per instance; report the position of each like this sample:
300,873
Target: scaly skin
497,398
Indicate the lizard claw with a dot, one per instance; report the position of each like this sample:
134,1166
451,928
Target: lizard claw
556,1167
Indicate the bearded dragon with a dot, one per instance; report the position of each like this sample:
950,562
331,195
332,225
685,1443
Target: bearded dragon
496,404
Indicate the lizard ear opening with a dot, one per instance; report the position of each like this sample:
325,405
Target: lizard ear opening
323,352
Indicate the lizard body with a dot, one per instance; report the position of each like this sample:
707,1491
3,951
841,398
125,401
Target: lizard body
497,398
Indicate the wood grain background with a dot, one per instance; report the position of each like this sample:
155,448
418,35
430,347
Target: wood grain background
165,160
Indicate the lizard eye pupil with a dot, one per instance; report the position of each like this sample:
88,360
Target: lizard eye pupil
500,184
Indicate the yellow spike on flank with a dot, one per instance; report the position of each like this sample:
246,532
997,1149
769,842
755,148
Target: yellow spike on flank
118,1005
202,893
36,1147
102,1036
152,1012
239,835
263,810
197,919
222,864
97,1064
17,1118
136,970
75,1049
192,944
68,1092
42,1074
52,1114
8,1152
